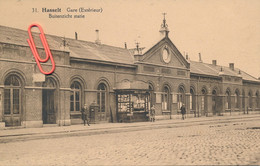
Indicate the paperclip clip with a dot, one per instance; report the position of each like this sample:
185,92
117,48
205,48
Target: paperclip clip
45,46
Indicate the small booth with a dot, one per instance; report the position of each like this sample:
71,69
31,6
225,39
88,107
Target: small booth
133,101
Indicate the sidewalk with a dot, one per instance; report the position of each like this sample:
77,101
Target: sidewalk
8,135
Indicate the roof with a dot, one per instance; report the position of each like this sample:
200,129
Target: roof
77,48
101,52
214,70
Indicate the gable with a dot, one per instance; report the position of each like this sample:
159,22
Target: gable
165,53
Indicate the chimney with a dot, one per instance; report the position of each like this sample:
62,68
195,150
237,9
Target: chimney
76,35
231,66
97,37
187,57
214,62
200,60
125,45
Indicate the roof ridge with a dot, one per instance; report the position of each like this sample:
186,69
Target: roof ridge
51,35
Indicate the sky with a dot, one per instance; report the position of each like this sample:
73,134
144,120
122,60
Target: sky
224,30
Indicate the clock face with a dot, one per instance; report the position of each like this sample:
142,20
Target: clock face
166,55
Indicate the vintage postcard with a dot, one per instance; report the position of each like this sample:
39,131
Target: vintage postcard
123,82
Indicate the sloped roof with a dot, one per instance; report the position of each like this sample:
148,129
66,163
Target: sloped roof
102,52
214,70
77,48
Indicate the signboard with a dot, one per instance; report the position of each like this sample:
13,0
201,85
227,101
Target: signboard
38,77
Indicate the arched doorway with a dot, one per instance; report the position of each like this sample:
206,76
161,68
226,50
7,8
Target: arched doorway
228,100
214,102
102,101
237,99
12,100
181,96
49,103
192,100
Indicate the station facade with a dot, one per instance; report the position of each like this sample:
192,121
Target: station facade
117,84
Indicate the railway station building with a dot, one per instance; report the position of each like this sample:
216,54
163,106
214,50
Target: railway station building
117,84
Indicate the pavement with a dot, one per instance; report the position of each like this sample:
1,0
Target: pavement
23,134
227,140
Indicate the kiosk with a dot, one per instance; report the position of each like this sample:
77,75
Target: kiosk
133,101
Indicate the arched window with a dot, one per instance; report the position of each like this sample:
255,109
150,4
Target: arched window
181,97
75,96
12,95
228,100
166,98
237,99
49,83
101,97
192,100
250,101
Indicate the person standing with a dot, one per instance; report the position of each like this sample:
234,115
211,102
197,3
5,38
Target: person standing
84,114
152,114
183,111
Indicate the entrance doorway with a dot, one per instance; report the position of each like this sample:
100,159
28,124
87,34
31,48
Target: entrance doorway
12,101
102,98
48,109
49,103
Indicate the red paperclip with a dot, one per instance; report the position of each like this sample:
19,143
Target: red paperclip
45,46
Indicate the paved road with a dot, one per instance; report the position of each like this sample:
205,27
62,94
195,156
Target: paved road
229,143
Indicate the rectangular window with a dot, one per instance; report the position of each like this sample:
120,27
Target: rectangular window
124,103
165,101
98,101
71,101
77,100
103,103
7,101
139,102
16,96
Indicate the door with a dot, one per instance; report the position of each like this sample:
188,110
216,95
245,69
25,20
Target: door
12,107
102,102
48,109
102,106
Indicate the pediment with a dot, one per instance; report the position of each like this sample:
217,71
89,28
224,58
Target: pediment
165,53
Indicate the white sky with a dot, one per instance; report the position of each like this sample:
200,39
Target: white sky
225,30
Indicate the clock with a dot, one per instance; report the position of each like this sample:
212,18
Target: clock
166,55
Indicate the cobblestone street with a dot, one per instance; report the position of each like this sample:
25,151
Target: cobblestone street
234,143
